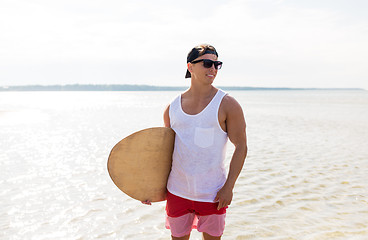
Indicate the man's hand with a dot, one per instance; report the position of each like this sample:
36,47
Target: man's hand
147,202
224,197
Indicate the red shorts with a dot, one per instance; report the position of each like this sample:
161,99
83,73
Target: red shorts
183,215
177,206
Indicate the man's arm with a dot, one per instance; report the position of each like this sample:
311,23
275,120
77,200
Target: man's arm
166,124
167,117
235,127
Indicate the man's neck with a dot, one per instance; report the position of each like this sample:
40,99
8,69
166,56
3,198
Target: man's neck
201,91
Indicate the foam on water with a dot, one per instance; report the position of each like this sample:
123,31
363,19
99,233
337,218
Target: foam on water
305,176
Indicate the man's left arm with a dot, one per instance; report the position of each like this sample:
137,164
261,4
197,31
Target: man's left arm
235,127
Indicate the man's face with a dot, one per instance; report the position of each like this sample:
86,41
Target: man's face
198,71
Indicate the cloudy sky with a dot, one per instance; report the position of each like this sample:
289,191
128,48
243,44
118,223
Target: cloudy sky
263,43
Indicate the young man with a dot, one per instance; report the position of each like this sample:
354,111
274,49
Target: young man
204,118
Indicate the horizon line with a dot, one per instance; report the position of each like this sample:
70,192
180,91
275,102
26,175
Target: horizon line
142,87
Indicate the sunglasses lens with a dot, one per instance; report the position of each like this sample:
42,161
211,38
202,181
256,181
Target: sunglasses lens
207,63
218,65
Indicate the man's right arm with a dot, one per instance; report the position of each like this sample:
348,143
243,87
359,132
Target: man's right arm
166,124
167,117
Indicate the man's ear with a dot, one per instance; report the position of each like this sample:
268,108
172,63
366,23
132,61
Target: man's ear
189,66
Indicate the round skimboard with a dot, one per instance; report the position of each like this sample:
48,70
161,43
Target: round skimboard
140,164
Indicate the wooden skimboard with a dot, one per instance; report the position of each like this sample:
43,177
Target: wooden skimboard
140,164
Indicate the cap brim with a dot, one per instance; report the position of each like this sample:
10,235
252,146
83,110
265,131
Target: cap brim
188,75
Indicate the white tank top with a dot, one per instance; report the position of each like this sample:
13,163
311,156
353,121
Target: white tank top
198,170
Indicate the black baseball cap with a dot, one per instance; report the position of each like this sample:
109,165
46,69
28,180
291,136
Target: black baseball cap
197,52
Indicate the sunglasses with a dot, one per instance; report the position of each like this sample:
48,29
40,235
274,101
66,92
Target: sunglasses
207,63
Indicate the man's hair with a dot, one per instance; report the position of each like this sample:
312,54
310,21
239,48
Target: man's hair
198,51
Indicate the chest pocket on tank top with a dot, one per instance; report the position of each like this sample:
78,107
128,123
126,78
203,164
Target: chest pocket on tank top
203,137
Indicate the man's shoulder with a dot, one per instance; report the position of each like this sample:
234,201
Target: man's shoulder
230,102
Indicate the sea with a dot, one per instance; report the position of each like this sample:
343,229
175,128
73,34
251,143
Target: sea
305,176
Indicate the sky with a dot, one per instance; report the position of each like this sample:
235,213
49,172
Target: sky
262,43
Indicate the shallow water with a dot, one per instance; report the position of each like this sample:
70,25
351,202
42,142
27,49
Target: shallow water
306,175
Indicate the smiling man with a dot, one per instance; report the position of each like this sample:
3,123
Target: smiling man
203,118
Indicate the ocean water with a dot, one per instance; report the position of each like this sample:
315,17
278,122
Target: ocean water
306,174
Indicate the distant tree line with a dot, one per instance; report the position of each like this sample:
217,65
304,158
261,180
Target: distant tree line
127,87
